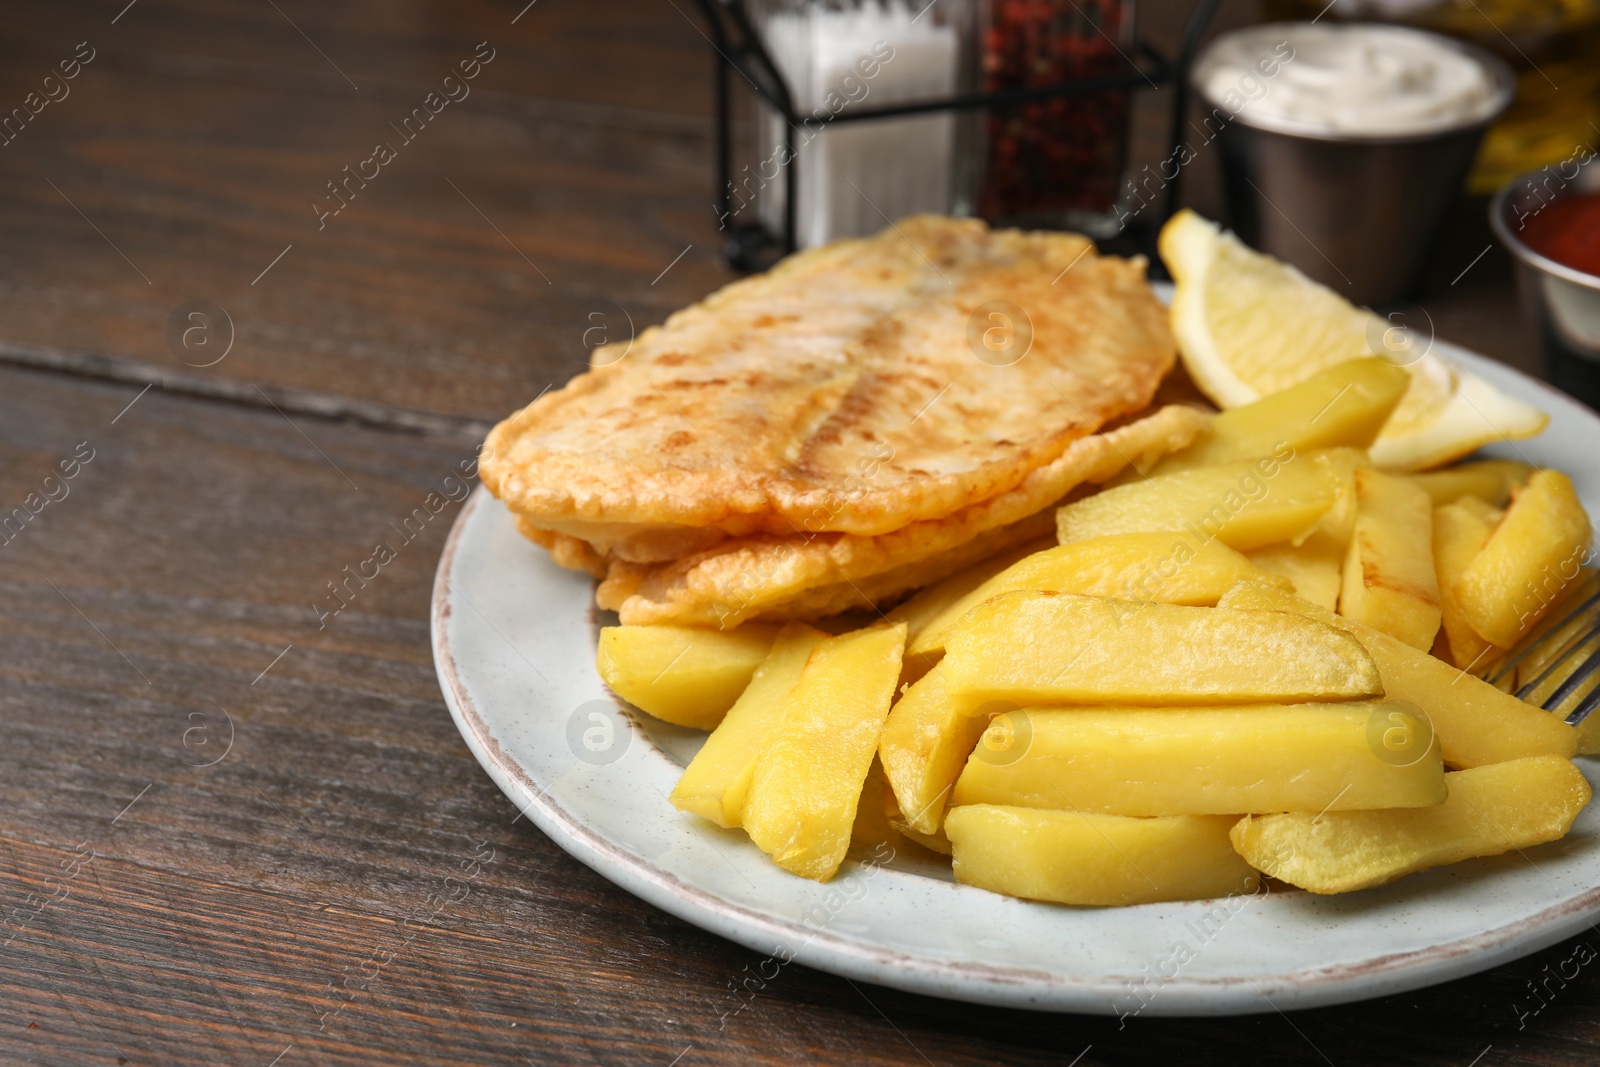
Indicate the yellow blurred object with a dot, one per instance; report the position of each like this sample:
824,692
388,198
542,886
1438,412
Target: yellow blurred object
1489,480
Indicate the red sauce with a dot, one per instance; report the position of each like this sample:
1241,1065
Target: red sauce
1567,231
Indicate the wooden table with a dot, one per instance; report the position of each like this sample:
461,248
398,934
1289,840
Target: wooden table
227,831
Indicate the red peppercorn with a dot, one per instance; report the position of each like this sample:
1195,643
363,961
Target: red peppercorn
1066,153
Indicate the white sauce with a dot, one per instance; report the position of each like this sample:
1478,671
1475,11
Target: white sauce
1363,80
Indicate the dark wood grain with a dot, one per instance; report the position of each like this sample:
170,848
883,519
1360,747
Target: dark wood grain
345,885
461,279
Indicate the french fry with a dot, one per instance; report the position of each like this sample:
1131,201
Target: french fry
1490,810
1344,405
714,784
807,781
1389,582
1057,648
1076,858
926,740
683,675
1459,534
1490,480
1486,512
1476,723
871,825
934,842
1312,569
1244,505
1535,552
1166,567
934,601
1337,525
1205,761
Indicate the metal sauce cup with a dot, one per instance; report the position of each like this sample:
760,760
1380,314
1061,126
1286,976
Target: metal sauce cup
1561,305
1354,212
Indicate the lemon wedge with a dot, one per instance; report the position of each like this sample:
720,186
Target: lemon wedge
1248,325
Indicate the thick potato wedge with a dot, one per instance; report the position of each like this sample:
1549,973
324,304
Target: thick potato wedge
1338,523
1244,505
1076,858
714,784
1344,405
934,842
1389,581
934,601
1476,723
1485,511
1459,534
1535,552
684,675
1166,567
807,781
872,826
1490,480
1312,569
1490,810
1206,761
1057,648
926,740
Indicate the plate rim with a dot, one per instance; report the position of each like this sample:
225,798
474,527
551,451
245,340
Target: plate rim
973,981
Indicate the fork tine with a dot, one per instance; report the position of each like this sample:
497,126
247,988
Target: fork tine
1509,664
1590,664
1570,650
1585,706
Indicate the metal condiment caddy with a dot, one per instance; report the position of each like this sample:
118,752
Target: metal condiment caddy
752,243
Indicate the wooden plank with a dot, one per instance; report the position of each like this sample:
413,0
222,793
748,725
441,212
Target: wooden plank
470,273
624,54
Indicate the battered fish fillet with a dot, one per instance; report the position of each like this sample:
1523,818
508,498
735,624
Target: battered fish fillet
796,577
841,392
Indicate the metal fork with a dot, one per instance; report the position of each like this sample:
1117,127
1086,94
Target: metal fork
1559,661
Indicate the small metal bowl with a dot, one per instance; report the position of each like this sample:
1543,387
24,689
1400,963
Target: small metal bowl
1560,305
1354,212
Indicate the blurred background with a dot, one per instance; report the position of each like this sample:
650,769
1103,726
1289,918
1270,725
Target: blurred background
569,198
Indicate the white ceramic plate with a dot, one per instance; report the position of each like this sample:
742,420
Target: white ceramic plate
514,642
